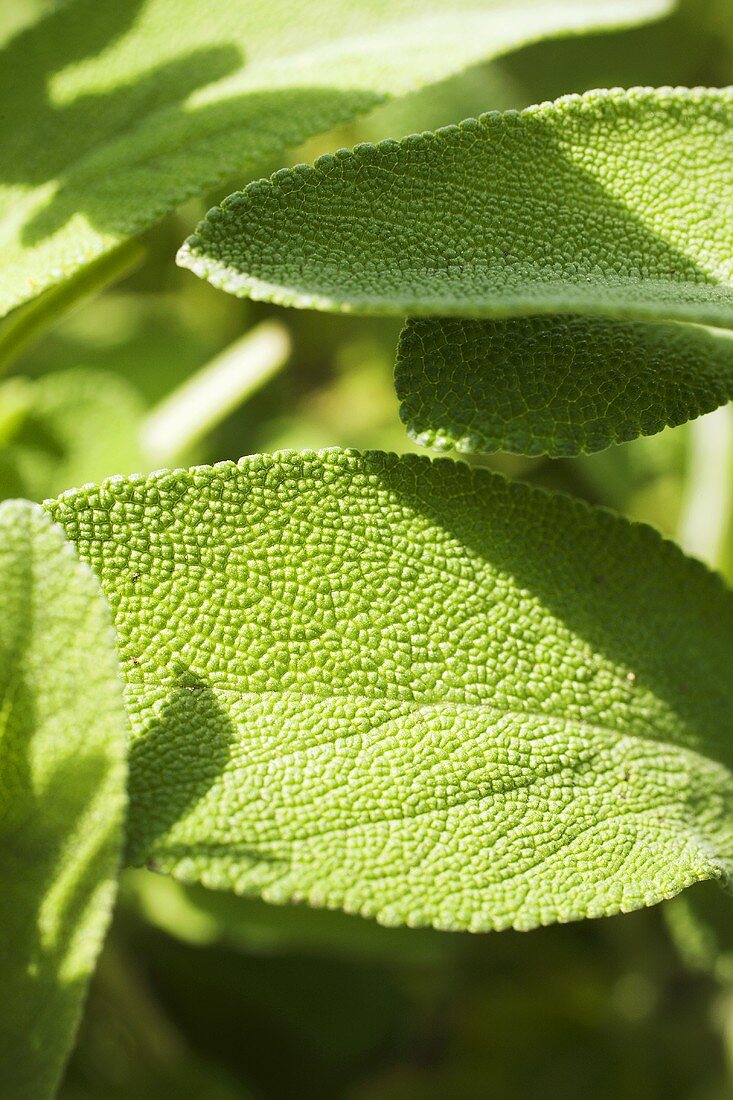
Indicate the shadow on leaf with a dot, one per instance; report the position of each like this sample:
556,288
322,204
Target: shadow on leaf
174,763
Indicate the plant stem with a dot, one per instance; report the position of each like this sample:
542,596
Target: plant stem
204,400
708,502
30,321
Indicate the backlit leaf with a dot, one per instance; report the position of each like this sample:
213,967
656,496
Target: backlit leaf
62,793
415,691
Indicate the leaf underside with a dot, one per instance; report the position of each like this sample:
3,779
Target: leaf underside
534,226
556,385
62,793
128,109
413,690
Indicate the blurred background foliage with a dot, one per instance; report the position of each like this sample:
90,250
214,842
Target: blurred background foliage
207,995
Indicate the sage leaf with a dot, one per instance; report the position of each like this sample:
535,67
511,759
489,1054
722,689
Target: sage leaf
412,690
128,109
556,385
62,793
613,205
568,207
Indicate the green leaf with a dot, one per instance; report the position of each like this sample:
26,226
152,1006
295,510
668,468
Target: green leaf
557,385
561,208
113,114
414,691
206,917
700,927
613,205
62,793
76,425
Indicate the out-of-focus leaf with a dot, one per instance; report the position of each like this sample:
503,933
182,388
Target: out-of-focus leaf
75,426
208,917
113,114
701,928
62,793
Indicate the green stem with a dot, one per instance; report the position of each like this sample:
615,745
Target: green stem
708,502
30,321
186,415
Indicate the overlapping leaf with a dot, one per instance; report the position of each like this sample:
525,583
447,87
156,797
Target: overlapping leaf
558,385
113,114
613,204
413,690
62,793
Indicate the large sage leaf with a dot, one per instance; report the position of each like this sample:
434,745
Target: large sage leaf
113,114
415,691
614,204
62,793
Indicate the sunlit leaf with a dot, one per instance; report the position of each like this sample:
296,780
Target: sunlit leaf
62,793
113,114
614,205
412,690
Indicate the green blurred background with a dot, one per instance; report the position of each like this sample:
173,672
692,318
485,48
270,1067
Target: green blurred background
207,995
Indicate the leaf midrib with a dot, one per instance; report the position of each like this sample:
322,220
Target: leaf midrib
416,707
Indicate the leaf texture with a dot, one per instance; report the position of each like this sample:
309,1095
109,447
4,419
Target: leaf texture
62,793
413,690
113,114
614,205
556,385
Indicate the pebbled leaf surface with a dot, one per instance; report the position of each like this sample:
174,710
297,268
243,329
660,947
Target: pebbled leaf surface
415,691
613,205
556,385
114,114
63,731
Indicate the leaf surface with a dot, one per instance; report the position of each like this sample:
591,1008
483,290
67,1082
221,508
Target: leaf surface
62,793
415,691
561,208
613,205
556,385
114,114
